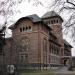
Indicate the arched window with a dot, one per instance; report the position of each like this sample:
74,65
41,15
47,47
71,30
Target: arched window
23,28
57,21
26,28
20,29
54,21
29,27
51,21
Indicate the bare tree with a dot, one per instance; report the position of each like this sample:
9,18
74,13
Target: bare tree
61,6
8,8
66,8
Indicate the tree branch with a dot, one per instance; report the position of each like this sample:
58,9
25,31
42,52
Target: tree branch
70,2
69,8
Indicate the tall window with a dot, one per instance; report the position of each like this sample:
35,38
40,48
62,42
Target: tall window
57,21
25,43
45,45
49,59
45,51
25,46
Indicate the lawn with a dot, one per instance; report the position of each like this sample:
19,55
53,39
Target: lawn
43,73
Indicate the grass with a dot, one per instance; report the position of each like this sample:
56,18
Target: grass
43,73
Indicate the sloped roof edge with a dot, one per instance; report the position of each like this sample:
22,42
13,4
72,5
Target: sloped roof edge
66,43
51,14
33,18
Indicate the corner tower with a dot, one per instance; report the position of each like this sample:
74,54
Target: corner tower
53,20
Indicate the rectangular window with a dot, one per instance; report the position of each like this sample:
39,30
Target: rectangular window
45,51
45,45
23,58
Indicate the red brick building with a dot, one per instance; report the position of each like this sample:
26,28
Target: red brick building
37,43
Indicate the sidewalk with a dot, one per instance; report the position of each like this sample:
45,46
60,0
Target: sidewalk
64,70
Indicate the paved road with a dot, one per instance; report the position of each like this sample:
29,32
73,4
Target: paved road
64,70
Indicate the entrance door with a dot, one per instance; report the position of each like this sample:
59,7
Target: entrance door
65,60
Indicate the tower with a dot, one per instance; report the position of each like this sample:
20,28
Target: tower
53,20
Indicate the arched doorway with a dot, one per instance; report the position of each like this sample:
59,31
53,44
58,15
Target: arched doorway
65,60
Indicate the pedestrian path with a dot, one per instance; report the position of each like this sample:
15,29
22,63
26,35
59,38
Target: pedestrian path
64,70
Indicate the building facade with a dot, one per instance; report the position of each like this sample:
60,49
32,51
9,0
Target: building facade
37,43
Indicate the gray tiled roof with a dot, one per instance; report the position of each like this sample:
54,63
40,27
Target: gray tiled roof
51,14
34,18
65,42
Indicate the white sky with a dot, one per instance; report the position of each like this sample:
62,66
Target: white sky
28,9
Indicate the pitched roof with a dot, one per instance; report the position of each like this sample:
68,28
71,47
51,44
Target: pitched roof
34,18
51,14
66,43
